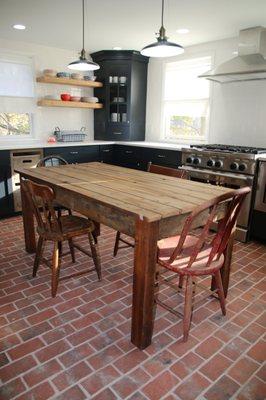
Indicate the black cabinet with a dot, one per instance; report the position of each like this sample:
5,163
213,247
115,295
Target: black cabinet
107,153
75,154
124,77
164,157
130,157
6,197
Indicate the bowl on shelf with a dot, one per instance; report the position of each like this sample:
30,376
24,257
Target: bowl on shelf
49,72
65,97
52,97
63,75
90,78
76,75
75,98
87,99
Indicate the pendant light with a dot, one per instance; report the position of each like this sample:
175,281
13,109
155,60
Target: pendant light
162,48
83,64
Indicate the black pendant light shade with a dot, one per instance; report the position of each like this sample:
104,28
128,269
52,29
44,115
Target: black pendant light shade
83,64
162,48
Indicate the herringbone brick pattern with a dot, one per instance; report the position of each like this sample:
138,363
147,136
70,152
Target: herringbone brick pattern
77,346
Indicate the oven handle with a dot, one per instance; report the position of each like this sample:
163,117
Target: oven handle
223,178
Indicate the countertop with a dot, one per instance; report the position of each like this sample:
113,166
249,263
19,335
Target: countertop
40,145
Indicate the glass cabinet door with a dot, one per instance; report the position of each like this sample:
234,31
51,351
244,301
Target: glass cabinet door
118,100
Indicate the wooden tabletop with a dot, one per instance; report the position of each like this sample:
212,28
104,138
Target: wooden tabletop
136,193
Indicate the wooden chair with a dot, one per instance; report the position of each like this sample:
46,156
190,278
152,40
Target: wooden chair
58,230
155,169
51,161
191,256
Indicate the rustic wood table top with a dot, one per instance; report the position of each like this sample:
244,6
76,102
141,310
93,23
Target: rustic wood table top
141,204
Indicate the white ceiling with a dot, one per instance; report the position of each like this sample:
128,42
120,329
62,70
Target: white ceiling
130,24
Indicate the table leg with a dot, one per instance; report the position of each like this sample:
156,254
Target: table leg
28,222
97,231
146,237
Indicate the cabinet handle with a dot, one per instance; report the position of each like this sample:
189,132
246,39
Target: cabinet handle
161,156
106,151
73,152
129,151
117,133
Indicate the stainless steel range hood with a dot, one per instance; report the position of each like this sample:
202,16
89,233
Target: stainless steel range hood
250,64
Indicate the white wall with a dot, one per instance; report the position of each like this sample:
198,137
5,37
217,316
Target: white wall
237,112
45,119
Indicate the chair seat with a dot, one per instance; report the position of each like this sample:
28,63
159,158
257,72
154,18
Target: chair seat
179,265
72,226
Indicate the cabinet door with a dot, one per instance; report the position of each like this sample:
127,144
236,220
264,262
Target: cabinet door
75,154
107,153
6,197
129,156
171,158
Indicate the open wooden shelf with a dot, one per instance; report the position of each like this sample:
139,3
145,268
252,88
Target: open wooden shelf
68,81
73,104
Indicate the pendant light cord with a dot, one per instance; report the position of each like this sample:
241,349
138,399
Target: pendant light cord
162,11
83,24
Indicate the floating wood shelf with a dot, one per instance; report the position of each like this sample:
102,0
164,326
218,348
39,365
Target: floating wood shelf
68,81
73,104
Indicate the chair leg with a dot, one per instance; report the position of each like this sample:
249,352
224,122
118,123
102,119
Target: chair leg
187,308
60,248
72,250
69,211
181,280
117,238
95,255
220,291
55,269
59,213
38,256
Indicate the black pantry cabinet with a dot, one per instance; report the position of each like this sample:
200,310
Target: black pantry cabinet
6,197
124,77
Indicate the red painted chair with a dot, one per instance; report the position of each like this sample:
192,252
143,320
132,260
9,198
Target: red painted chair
155,169
50,227
192,256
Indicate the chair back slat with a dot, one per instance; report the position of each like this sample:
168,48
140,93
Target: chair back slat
218,244
158,169
51,161
41,199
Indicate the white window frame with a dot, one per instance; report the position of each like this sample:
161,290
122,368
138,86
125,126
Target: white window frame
180,140
19,57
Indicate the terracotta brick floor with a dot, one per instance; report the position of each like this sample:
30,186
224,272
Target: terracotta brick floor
77,346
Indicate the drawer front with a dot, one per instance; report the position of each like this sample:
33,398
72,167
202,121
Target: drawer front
128,154
75,154
163,157
107,153
118,132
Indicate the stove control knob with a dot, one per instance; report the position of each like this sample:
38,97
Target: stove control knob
218,164
196,161
189,160
210,163
234,166
242,167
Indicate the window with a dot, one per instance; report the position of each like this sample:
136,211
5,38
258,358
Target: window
186,100
16,96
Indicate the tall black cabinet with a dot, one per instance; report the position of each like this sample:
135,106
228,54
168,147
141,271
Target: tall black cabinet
124,77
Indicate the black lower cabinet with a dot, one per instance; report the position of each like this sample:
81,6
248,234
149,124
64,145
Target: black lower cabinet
6,197
107,153
129,157
75,154
164,157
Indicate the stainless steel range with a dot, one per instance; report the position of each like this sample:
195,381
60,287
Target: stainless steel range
229,166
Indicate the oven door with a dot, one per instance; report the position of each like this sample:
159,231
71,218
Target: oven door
226,179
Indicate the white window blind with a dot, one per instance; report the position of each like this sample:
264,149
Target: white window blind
186,100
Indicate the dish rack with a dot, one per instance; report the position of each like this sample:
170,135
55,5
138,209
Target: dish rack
70,136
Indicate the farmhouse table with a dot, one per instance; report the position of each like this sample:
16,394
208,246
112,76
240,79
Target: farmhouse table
142,205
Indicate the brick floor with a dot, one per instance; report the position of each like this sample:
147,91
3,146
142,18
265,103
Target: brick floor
77,346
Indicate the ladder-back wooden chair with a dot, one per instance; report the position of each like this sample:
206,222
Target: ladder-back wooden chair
155,169
52,228
52,161
191,256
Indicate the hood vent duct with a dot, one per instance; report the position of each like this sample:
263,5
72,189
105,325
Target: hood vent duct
250,64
